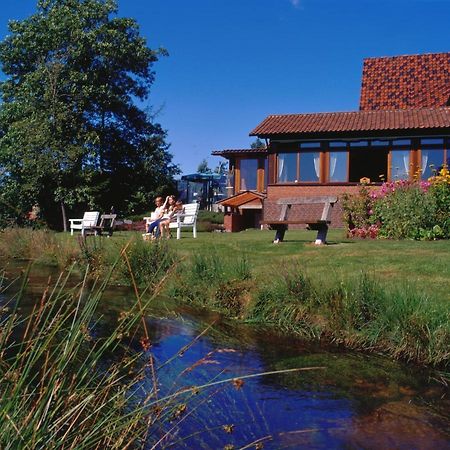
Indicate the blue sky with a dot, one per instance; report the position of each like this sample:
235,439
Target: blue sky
233,62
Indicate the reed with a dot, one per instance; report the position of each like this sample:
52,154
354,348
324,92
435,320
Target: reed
63,384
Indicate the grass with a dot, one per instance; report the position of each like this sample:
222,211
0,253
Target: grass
388,296
65,382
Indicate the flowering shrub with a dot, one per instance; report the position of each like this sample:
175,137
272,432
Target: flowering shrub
401,209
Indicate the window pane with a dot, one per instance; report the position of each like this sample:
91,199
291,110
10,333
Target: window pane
338,144
359,144
432,141
402,142
309,166
400,165
380,143
249,168
338,166
310,144
287,167
432,161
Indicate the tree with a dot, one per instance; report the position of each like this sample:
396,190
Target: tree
258,143
71,132
203,167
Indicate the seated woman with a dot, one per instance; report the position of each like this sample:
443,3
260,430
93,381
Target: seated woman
156,216
174,208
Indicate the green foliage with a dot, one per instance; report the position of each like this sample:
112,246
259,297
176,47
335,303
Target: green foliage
440,191
257,143
401,210
72,135
210,279
203,167
356,208
405,213
59,386
149,262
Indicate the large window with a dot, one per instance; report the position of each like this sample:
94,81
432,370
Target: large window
309,166
249,174
432,156
400,167
378,159
337,169
303,165
287,167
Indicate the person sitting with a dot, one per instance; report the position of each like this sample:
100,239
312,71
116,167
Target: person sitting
156,216
175,207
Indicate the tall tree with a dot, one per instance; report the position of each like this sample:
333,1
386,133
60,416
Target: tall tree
257,143
203,167
72,133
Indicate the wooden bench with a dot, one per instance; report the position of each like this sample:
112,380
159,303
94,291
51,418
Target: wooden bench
107,223
320,225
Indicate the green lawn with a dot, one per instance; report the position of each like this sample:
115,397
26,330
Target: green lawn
421,263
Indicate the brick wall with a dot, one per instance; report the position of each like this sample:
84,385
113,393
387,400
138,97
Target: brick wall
301,212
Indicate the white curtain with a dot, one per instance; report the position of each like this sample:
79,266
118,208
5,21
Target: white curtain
333,161
281,169
317,165
424,161
406,164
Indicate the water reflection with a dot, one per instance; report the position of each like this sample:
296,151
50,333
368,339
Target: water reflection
356,401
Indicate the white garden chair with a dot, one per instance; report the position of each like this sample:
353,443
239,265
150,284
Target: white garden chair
89,220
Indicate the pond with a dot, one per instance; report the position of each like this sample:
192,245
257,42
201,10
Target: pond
351,400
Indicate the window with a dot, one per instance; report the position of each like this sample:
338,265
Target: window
337,168
432,141
432,156
310,145
338,144
287,167
309,166
359,144
248,171
431,162
399,165
379,143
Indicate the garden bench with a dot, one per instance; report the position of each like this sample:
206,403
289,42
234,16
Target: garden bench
89,220
107,222
318,224
188,218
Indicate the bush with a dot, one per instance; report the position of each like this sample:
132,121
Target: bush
149,261
401,210
404,212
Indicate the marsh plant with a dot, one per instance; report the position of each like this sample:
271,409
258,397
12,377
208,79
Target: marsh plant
213,280
66,383
55,389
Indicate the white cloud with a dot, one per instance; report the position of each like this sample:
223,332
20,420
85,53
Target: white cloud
295,3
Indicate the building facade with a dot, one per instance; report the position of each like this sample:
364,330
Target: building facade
401,131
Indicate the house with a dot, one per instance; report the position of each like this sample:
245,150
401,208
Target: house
401,130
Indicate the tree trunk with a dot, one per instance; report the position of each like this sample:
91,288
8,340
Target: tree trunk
63,211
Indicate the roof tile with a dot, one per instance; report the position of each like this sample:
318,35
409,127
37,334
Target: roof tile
352,121
406,82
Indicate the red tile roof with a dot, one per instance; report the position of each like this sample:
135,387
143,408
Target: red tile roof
242,198
406,82
238,151
353,121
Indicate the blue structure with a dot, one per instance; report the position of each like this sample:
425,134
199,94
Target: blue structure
203,188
